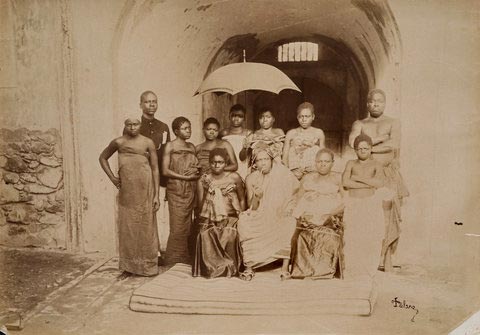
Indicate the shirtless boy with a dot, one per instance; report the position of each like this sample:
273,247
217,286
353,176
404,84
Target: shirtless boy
369,204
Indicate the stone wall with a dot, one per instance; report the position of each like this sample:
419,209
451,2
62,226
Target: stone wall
31,188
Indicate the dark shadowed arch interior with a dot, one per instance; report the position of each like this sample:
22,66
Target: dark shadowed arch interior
328,109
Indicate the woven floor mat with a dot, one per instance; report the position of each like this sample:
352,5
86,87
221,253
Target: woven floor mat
176,291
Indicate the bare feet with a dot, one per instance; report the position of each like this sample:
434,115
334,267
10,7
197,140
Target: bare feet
247,275
285,275
124,275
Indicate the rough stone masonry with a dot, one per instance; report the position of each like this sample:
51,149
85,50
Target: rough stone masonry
31,189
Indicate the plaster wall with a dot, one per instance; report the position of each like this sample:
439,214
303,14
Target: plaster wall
30,54
440,115
95,26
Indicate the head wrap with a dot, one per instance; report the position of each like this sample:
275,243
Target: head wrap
259,147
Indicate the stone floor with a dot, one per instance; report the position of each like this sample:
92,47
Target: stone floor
29,275
98,304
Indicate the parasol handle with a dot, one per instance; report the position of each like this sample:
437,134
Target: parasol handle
244,56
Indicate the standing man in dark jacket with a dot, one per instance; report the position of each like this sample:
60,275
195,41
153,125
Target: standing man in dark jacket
155,129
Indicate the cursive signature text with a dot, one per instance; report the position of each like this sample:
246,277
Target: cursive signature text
403,304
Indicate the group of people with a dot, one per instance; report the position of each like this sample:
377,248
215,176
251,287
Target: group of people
243,199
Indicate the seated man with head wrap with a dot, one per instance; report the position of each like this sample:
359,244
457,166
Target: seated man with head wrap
267,227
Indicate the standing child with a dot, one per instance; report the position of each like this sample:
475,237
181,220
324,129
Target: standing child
303,143
180,165
211,128
137,183
236,135
369,210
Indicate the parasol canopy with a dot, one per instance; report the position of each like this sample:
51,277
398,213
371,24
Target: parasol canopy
238,77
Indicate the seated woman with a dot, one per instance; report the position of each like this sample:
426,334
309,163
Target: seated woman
318,242
211,128
220,197
303,143
273,137
267,227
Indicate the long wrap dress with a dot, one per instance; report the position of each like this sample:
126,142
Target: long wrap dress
180,196
366,236
203,160
137,228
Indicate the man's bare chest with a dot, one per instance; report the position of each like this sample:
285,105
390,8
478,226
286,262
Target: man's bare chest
374,129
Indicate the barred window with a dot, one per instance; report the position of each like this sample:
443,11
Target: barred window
298,52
